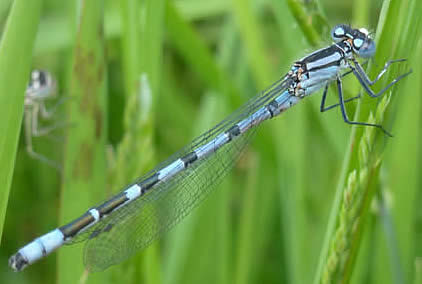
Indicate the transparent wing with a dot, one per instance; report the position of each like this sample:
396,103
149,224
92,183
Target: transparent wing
136,225
252,105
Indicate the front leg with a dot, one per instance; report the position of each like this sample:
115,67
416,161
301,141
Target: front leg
380,74
344,113
366,82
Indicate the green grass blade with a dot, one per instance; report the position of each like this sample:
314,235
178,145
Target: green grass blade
185,39
85,164
246,242
143,48
15,61
130,11
304,21
250,33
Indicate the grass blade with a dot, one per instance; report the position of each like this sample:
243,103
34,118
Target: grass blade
85,160
15,61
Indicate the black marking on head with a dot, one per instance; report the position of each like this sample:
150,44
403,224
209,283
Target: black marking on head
147,183
112,204
189,158
360,33
71,229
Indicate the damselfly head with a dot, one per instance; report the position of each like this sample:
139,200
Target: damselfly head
41,85
361,42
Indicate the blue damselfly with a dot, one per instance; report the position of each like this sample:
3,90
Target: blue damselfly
133,218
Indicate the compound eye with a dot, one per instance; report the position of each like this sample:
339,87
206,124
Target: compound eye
357,43
364,48
338,33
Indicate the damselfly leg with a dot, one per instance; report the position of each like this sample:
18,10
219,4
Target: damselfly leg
380,74
324,94
344,113
32,130
366,82
323,108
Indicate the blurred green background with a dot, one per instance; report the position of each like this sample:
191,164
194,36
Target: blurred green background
311,200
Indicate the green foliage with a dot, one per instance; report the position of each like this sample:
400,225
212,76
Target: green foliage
14,70
311,199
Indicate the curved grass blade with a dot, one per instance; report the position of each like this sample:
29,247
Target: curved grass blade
15,61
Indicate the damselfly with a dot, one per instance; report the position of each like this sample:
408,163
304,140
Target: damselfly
41,88
133,218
